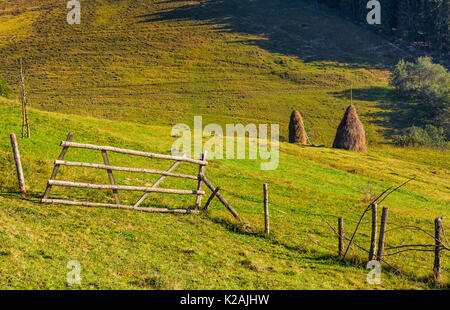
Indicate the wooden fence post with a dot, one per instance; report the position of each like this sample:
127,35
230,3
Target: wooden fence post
56,167
201,171
266,209
437,249
384,215
15,149
373,237
340,235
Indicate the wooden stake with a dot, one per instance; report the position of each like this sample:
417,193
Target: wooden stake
266,209
384,216
15,149
156,184
112,180
214,193
222,200
341,235
201,171
25,123
373,237
437,249
56,167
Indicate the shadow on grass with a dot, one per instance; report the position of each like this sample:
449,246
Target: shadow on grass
289,27
29,196
395,114
233,226
355,261
246,229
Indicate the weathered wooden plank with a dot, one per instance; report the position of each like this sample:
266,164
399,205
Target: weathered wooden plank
126,169
132,152
114,206
125,188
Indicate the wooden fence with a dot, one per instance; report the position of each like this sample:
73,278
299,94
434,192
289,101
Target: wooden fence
440,244
115,188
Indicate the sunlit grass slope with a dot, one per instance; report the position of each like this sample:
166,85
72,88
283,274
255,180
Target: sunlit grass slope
121,249
235,61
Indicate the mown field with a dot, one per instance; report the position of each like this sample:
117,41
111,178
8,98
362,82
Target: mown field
133,69
127,249
162,62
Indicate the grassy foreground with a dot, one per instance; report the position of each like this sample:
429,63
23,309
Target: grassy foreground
133,250
133,69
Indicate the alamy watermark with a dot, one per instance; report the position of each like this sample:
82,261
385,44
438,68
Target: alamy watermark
374,16
74,15
74,275
236,138
374,275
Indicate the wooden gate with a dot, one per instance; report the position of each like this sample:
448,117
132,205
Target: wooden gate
198,192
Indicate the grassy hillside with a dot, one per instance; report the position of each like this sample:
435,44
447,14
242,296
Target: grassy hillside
161,62
135,250
130,71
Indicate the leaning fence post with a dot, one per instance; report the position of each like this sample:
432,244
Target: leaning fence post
15,149
384,215
341,235
112,180
437,249
214,193
373,237
56,167
266,209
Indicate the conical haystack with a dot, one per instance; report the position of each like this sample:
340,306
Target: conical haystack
350,134
297,133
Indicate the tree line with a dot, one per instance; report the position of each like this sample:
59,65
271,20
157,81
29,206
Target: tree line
425,22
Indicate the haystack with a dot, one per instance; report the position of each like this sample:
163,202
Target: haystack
350,134
297,133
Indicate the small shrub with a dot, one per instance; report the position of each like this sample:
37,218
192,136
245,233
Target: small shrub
422,79
428,84
5,89
430,136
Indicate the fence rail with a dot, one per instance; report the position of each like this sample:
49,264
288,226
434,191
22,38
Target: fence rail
114,206
126,169
125,188
131,152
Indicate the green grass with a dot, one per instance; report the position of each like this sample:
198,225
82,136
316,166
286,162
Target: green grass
134,250
133,69
163,62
